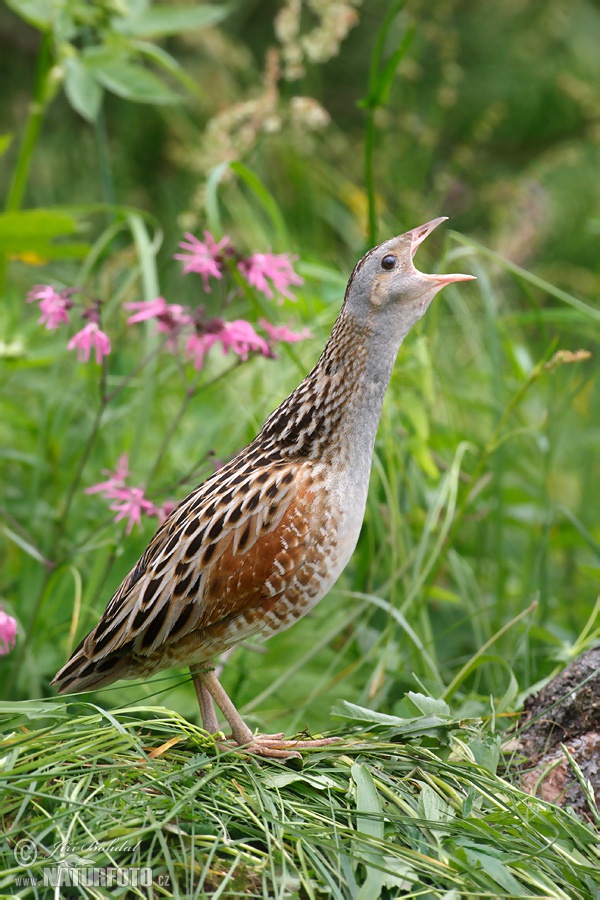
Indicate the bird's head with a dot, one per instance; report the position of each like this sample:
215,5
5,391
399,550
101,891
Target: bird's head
387,292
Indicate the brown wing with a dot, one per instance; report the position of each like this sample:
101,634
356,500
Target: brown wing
222,555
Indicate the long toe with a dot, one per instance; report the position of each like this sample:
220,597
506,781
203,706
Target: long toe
277,747
310,743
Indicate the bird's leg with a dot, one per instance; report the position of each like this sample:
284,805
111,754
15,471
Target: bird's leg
273,745
205,701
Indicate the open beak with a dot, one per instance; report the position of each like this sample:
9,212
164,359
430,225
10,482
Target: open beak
418,235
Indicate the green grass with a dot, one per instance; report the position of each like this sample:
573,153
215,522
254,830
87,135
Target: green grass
407,806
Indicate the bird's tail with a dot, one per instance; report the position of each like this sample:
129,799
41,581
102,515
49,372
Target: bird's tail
85,671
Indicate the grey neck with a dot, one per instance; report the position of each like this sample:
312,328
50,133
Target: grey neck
333,414
363,404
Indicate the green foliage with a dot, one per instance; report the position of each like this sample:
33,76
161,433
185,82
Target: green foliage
143,787
103,45
38,231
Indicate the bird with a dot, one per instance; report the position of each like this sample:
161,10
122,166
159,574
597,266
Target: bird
254,547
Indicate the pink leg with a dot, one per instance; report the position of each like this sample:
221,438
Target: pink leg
205,701
270,745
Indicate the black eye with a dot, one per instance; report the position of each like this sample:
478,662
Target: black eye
388,262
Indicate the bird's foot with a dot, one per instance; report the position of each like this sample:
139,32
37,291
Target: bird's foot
276,746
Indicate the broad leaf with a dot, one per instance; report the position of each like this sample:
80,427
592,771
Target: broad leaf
30,235
369,822
167,62
161,21
112,67
83,91
36,12
128,80
36,224
417,725
427,706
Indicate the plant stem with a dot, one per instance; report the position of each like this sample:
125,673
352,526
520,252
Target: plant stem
108,398
106,176
79,470
190,394
187,399
369,180
381,76
41,97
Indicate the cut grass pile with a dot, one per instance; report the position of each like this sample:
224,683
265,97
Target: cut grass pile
407,805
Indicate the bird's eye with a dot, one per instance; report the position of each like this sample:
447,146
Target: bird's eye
388,262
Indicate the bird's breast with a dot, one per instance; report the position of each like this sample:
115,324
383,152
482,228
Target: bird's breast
328,517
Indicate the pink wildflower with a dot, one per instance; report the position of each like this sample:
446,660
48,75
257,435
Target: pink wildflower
116,479
8,632
54,306
197,347
238,336
277,267
283,333
171,317
131,504
241,337
128,502
90,338
204,257
164,511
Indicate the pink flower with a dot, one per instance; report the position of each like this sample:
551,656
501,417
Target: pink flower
197,347
54,306
128,502
241,337
90,338
277,267
171,317
8,632
238,336
164,511
131,504
283,333
204,257
116,480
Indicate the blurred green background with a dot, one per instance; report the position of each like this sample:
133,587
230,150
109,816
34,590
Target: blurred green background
351,123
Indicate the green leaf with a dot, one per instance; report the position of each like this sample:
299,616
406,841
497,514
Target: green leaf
82,89
213,214
428,706
33,232
368,802
467,805
161,21
126,79
44,251
418,725
24,544
36,224
262,193
34,709
495,870
343,709
486,753
135,83
168,63
321,782
386,76
36,12
432,807
370,824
